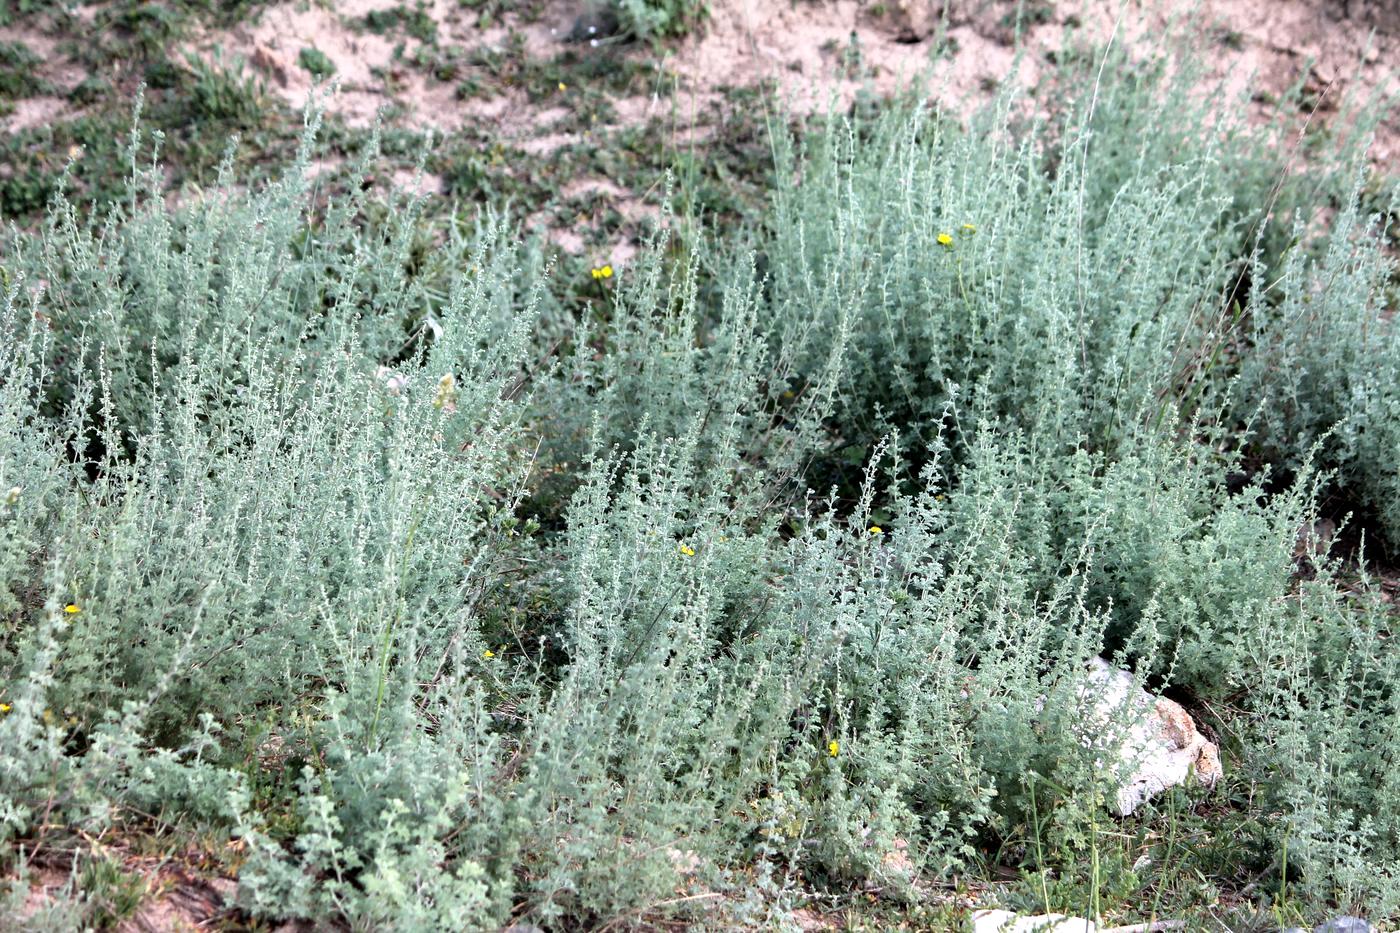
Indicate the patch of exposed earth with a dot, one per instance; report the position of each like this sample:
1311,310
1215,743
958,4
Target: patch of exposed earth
817,54
56,73
462,77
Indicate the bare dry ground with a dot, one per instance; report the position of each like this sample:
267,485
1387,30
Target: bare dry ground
815,54
798,44
809,54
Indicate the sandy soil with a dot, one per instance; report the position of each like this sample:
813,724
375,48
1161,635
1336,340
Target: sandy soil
812,52
820,53
57,70
815,53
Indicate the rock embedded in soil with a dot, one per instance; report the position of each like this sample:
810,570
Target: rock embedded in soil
1155,741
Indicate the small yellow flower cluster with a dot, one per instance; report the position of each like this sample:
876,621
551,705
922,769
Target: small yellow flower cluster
5,708
563,87
602,272
446,394
72,609
687,550
488,654
945,238
876,530
833,748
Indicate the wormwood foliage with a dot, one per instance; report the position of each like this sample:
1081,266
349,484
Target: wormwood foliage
775,574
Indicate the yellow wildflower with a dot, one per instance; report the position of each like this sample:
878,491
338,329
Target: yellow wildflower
687,550
563,86
833,748
876,530
970,228
605,272
72,609
4,707
488,654
945,239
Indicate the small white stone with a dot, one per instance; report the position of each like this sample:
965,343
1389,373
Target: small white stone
1004,921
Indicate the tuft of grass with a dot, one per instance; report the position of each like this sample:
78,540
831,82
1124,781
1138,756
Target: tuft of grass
414,21
316,63
658,19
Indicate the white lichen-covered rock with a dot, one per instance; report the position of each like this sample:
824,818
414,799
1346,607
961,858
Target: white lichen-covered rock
1004,921
1154,743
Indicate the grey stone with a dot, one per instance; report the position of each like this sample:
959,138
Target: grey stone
1345,925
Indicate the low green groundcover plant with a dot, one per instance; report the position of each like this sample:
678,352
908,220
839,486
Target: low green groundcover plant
650,19
325,530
